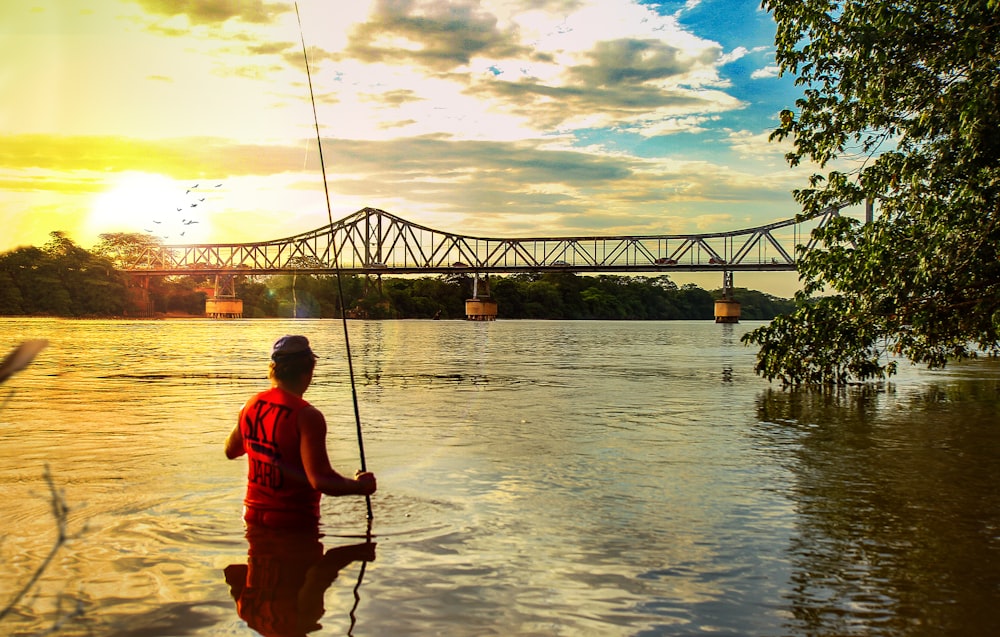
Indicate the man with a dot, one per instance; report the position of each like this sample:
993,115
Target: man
284,438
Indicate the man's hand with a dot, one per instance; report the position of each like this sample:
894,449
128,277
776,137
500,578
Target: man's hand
366,482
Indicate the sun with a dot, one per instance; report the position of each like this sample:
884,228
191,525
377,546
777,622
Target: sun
151,204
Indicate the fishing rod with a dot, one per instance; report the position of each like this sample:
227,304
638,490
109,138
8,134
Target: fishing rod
336,266
353,614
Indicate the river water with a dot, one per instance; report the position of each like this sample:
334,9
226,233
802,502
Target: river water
535,478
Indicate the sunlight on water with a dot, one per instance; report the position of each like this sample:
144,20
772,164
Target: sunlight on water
535,478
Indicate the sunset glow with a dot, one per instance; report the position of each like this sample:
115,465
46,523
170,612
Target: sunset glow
152,205
594,117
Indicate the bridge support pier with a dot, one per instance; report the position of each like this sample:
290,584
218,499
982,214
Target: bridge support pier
224,305
480,309
727,309
139,302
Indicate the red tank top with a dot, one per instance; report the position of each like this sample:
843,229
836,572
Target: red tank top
276,480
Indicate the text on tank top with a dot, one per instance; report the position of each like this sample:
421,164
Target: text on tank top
276,478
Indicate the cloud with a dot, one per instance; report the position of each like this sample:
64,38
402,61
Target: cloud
672,125
277,48
480,183
179,157
765,73
493,116
396,98
739,53
551,107
519,69
755,147
434,35
632,62
616,83
216,11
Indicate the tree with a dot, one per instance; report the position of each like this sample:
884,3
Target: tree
180,294
11,301
601,304
92,284
695,303
34,273
910,92
124,248
508,292
258,300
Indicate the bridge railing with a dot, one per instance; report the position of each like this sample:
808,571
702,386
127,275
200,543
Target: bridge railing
372,240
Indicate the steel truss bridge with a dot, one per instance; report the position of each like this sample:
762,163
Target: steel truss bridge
372,241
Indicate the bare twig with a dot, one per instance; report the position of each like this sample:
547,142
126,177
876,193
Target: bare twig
19,358
60,511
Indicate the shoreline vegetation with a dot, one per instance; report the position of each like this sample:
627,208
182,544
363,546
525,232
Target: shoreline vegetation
64,280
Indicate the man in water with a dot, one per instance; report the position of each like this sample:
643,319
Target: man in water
284,438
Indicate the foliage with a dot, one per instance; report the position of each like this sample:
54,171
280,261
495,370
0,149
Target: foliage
522,296
63,279
122,248
60,279
911,91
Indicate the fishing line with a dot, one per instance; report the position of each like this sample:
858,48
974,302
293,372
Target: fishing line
336,266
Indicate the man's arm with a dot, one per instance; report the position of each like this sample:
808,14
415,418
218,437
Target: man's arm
234,443
322,477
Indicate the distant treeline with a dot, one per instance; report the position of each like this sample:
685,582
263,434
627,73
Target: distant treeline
60,279
63,279
522,296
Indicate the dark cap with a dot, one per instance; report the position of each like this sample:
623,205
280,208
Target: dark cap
289,346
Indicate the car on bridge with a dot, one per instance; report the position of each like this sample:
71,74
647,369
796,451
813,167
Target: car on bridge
717,261
458,264
665,261
560,263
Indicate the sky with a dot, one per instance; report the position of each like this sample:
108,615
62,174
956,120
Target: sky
191,120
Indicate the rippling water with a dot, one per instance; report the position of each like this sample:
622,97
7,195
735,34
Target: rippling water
535,478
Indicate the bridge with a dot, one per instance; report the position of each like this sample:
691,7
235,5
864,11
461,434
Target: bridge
375,242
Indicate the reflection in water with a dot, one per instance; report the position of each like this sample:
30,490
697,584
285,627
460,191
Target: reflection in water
280,590
372,352
727,374
538,478
894,516
728,339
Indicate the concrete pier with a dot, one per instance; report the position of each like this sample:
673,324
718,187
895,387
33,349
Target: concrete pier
727,311
481,310
224,307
